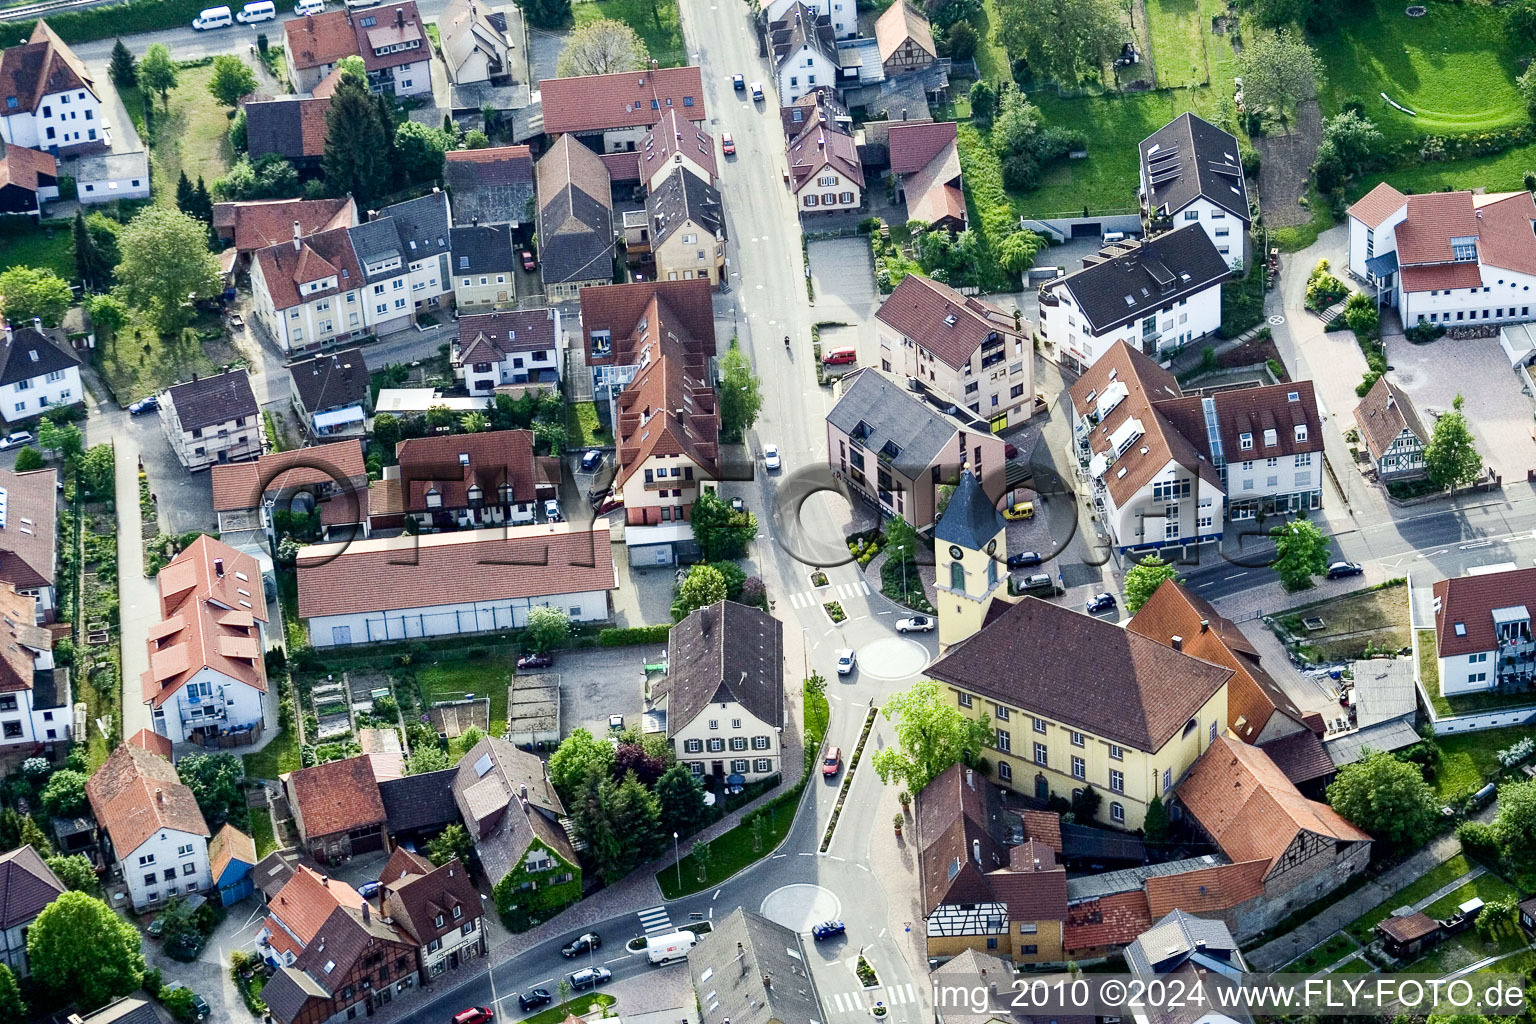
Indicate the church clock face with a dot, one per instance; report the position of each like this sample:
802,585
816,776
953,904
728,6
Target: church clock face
955,551
992,545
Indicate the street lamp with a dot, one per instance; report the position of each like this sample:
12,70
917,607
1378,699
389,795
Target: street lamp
678,861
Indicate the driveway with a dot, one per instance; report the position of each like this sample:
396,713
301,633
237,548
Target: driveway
844,279
1497,410
601,682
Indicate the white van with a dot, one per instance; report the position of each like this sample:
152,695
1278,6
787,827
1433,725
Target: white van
304,7
261,10
213,17
354,4
665,948
1111,237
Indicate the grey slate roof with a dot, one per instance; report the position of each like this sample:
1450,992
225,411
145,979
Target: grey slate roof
483,250
751,971
1188,159
725,652
1144,275
416,802
216,399
128,1010
1181,937
422,225
290,989
680,198
377,240
970,519
575,222
30,352
491,192
1087,887
885,413
331,381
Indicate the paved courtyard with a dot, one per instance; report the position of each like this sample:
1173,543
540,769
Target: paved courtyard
844,279
1497,409
603,681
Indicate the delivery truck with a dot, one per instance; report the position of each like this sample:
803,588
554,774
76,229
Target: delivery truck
664,949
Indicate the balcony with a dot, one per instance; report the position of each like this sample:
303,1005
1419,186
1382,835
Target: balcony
666,483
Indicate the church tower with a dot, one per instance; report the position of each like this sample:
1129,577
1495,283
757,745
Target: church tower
970,560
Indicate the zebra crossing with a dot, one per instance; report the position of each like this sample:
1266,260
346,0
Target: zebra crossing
655,921
860,1002
811,598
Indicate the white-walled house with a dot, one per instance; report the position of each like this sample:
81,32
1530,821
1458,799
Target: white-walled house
1192,173
206,677
451,583
724,692
29,536
48,99
157,835
1483,639
1447,258
824,170
843,15
103,177
1157,295
1166,470
804,52
514,347
34,712
212,420
39,370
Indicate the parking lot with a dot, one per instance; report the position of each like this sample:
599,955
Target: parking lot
601,682
844,279
1496,408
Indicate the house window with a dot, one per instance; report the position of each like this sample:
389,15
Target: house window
1004,741
1245,441
1040,754
189,869
1116,781
762,743
1079,768
738,743
1002,712
739,766
1167,779
965,700
1116,812
693,746
1005,771
762,765
716,745
1040,725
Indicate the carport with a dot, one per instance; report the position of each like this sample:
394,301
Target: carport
666,544
1519,342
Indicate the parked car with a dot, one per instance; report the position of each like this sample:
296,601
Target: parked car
529,263
581,944
199,1004
474,1015
845,661
1100,603
368,890
1339,570
727,144
144,405
832,763
1039,581
915,624
534,997
535,661
739,83
827,930
589,977
591,460
611,503
1020,510
770,455
552,510
185,948
1024,559
16,440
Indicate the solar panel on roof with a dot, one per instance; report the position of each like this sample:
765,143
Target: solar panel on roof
1168,174
1230,170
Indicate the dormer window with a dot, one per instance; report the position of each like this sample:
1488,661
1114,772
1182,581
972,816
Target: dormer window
1271,438
1301,432
1245,441
458,911
438,920
474,493
434,498
1464,250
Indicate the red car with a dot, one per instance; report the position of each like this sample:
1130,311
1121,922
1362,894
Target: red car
727,144
832,763
474,1015
528,260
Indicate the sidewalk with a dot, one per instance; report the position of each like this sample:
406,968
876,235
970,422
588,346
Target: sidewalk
138,601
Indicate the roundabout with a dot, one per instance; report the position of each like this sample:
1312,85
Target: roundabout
801,905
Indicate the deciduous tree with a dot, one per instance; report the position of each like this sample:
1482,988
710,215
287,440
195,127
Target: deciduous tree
80,951
232,79
27,292
157,72
1451,456
602,47
419,152
1515,827
166,263
427,757
109,314
1277,70
741,395
28,459
702,587
91,265
547,628
1062,40
12,1006
76,872
1143,579
721,531
1301,552
64,796
931,735
215,781
452,842
1387,798
579,758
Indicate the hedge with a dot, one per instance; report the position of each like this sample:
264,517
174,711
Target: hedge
114,20
634,635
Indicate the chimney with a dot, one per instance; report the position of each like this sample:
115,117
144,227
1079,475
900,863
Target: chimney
1177,642
295,236
1205,625
159,795
399,17
522,790
218,567
325,881
367,912
970,778
37,324
976,850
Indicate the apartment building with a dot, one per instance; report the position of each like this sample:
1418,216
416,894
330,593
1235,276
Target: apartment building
1192,174
212,420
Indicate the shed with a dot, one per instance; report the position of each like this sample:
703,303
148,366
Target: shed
231,861
1409,935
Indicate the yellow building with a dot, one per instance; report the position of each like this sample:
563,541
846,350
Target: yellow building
1076,702
970,560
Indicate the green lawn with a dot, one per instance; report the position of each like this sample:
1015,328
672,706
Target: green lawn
1364,925
1501,172
1455,68
484,677
261,830
583,428
1377,617
572,1007
991,58
139,362
281,755
1466,949
655,20
49,247
1178,29
190,136
1359,965
1468,760
734,850
1488,885
1330,952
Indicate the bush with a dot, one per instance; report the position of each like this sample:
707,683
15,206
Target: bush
1323,289
1361,315
1479,841
627,636
1423,332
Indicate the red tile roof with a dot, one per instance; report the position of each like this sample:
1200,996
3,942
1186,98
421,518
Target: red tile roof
1441,275
284,268
1377,205
230,845
899,23
668,410
913,146
451,465
676,136
1106,921
41,66
307,900
1433,220
135,794
337,796
1250,809
1505,238
319,39
1464,607
243,485
1043,827
26,168
211,599
152,742
260,223
920,306
823,145
1384,413
21,640
622,167
28,534
626,99
453,568
686,307
399,24
1207,890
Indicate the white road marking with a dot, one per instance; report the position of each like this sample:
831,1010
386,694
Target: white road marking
778,855
718,891
614,960
836,858
1235,576
864,867
807,855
